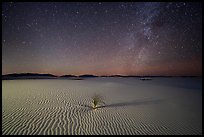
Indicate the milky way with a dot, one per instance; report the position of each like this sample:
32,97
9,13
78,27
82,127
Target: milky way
133,38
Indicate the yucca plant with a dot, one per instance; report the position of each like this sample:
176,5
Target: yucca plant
97,100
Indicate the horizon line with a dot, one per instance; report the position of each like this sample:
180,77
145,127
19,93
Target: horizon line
119,75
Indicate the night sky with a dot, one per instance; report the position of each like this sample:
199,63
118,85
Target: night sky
102,38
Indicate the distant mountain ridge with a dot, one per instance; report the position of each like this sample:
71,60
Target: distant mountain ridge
41,76
87,76
51,76
67,76
27,76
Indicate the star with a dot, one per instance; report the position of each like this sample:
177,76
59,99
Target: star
127,37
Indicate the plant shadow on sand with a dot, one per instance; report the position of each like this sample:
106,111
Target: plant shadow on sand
133,103
130,103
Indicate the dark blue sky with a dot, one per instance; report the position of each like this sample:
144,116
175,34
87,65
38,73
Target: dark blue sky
102,38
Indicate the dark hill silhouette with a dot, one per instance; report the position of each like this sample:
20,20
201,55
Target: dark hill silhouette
27,76
87,76
51,76
68,76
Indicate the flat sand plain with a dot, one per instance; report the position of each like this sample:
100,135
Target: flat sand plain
161,106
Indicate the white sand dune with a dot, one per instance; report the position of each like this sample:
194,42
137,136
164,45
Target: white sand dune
162,106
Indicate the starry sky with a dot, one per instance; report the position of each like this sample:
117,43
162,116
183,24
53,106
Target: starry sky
102,38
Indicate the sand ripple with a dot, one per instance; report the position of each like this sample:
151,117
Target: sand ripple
51,111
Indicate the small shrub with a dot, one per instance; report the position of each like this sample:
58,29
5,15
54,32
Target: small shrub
97,100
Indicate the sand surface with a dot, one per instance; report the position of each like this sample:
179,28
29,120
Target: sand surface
61,107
